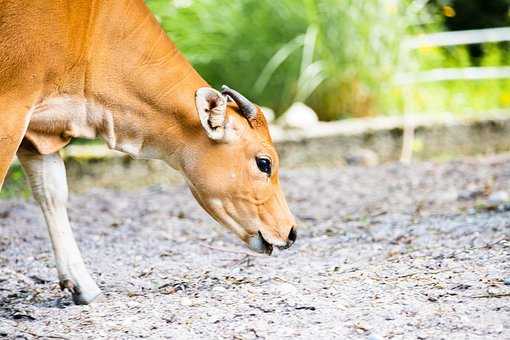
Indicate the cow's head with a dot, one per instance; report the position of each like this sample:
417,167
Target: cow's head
233,169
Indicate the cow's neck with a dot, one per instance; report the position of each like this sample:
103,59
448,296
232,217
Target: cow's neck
142,81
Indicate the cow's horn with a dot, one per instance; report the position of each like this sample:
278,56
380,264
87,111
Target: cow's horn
248,109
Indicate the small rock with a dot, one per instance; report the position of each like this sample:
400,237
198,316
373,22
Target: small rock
185,301
448,195
188,302
39,280
253,289
261,325
498,197
469,194
287,288
506,281
219,289
299,116
361,327
364,157
132,304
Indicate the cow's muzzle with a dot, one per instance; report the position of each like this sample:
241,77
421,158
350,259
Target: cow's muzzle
259,244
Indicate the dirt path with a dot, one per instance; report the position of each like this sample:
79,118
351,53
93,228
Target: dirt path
398,252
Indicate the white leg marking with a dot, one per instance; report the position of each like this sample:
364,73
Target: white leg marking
47,177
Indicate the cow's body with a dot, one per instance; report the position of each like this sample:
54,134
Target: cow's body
85,68
79,87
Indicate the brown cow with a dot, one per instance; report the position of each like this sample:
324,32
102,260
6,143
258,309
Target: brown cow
85,68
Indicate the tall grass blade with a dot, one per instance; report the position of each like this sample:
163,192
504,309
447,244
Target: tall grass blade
278,59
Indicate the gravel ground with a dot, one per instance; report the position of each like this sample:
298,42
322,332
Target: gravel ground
388,252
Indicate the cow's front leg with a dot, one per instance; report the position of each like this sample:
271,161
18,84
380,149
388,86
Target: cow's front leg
47,177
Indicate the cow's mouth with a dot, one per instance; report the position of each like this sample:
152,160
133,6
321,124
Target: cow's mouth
259,244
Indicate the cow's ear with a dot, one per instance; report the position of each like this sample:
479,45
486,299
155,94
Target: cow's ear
212,109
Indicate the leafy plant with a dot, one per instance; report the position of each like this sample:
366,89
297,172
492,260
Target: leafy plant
338,56
15,184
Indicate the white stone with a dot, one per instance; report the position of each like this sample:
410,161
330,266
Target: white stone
261,325
219,289
287,289
299,116
185,301
499,197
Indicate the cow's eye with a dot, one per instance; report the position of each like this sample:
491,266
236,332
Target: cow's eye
264,165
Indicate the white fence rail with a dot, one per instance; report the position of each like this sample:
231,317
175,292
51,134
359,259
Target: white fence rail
452,39
458,38
447,74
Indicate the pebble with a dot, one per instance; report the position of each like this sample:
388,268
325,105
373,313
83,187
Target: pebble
188,302
287,288
374,337
364,157
261,325
499,197
253,289
132,304
219,289
299,116
185,301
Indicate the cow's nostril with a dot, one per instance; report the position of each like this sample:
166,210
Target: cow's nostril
292,235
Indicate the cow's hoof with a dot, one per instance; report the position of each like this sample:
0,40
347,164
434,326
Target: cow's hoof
80,296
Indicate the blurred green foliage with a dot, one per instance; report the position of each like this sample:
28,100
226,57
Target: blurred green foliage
466,98
15,184
338,56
